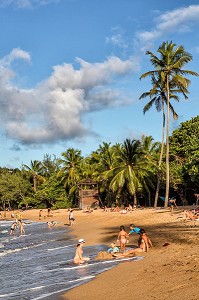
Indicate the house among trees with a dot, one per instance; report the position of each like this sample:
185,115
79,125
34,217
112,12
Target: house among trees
88,194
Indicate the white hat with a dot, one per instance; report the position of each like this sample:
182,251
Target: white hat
81,241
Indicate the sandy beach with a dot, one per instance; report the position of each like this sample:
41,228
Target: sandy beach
170,270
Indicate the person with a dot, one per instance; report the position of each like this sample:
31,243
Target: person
19,216
40,214
113,248
21,226
122,238
51,223
71,218
48,212
191,216
12,228
143,245
134,229
79,258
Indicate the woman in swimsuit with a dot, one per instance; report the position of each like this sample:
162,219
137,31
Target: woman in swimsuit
123,239
79,259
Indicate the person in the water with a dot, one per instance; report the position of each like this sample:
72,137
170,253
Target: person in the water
79,258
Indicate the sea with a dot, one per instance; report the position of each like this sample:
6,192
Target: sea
39,264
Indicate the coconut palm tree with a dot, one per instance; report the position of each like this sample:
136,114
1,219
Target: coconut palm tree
70,168
169,67
131,171
158,98
36,170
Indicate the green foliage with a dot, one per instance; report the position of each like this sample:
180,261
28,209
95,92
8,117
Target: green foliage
184,146
13,188
52,194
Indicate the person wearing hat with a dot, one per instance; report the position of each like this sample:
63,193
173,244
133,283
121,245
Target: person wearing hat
79,258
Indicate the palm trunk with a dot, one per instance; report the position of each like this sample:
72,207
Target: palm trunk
35,183
135,200
160,161
167,146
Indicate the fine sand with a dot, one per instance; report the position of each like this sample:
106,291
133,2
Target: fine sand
170,270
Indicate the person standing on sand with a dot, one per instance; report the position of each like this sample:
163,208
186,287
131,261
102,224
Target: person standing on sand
71,218
79,258
123,238
40,214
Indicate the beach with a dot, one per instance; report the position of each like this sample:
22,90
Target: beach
170,270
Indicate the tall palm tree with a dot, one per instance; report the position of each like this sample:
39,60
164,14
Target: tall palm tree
158,98
131,170
169,67
36,170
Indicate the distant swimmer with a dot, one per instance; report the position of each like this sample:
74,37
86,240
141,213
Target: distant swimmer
51,223
79,258
12,228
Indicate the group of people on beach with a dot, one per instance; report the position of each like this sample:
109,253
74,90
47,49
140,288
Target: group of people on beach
144,243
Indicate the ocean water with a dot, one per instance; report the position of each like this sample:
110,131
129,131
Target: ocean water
39,264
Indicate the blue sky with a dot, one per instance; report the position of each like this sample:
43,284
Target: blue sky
69,72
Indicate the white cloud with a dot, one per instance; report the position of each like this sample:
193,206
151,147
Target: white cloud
15,54
178,20
53,111
24,4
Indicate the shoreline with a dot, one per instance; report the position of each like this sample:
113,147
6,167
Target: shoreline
166,272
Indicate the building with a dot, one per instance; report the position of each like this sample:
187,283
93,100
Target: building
88,194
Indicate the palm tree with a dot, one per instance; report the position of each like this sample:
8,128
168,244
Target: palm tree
131,171
70,168
36,170
169,68
158,98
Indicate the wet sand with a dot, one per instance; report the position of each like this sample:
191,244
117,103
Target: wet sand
170,270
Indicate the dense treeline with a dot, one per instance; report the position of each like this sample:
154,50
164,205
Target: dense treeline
126,173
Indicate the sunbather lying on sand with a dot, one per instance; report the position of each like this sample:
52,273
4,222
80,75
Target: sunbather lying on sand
144,243
191,215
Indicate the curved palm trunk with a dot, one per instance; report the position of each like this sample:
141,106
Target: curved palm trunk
167,146
160,161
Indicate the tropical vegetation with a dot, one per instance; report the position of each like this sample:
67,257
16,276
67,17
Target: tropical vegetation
133,172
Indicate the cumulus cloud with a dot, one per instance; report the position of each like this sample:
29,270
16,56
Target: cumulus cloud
53,111
178,20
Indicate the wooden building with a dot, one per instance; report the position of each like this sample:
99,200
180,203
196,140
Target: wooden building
88,194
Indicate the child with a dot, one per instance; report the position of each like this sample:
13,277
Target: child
123,238
134,229
12,228
113,249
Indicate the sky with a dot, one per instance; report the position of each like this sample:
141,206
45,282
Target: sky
70,69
